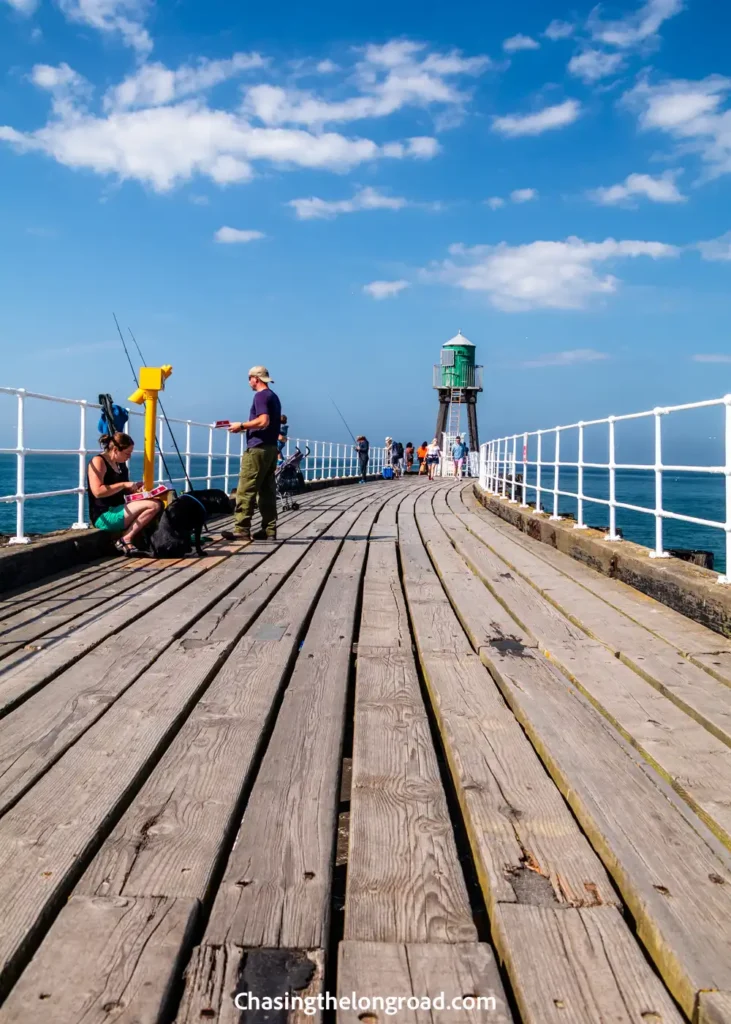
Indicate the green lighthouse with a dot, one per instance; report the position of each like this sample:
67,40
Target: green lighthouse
458,380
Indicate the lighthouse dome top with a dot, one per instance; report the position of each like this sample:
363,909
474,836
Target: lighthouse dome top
459,339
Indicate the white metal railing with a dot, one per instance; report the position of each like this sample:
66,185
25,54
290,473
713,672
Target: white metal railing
501,457
326,460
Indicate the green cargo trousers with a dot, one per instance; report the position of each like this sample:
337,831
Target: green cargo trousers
256,481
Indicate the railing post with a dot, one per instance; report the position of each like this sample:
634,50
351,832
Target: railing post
505,468
512,485
187,454
330,463
81,523
539,460
658,552
580,524
209,477
20,537
524,503
556,470
308,469
727,577
228,458
612,535
160,440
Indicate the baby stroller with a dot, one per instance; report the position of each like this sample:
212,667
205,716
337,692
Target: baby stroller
290,480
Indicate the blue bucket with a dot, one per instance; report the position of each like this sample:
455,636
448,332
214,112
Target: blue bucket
387,473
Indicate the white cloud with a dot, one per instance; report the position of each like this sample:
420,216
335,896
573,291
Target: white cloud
570,357
384,289
199,200
154,84
166,145
365,199
327,67
115,17
233,236
559,29
541,275
520,42
712,358
495,202
661,189
557,116
692,113
593,65
389,77
523,195
717,248
26,7
635,29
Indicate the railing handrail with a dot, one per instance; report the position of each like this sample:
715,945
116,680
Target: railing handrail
499,461
327,459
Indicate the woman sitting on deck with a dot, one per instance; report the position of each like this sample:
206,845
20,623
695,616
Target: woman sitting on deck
107,482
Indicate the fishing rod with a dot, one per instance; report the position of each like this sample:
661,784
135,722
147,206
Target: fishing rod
167,422
137,383
343,419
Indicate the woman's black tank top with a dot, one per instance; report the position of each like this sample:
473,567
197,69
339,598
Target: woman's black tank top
99,505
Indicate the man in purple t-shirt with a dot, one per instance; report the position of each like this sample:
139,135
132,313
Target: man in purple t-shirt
259,461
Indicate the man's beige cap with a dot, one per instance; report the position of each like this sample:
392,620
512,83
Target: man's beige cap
262,373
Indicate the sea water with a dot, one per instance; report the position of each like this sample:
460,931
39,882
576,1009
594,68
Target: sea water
698,494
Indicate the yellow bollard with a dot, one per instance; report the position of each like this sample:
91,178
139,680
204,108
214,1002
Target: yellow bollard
152,382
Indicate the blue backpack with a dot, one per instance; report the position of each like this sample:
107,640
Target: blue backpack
113,418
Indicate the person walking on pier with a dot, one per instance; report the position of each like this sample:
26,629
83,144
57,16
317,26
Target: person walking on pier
397,457
459,454
409,456
258,464
433,455
421,456
362,447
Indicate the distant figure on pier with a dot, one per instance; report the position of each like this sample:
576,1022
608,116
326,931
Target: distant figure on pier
397,458
107,483
433,455
389,447
409,456
257,482
421,456
282,439
459,454
362,447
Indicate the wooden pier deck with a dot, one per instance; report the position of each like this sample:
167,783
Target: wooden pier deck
404,751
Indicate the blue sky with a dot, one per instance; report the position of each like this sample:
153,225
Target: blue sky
334,191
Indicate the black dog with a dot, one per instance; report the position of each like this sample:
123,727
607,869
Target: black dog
186,515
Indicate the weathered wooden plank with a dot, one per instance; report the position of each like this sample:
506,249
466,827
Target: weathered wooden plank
692,689
457,983
678,892
13,601
111,615
689,637
404,881
35,735
66,648
227,984
694,762
32,623
714,1008
526,844
47,838
170,840
578,966
275,890
105,959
